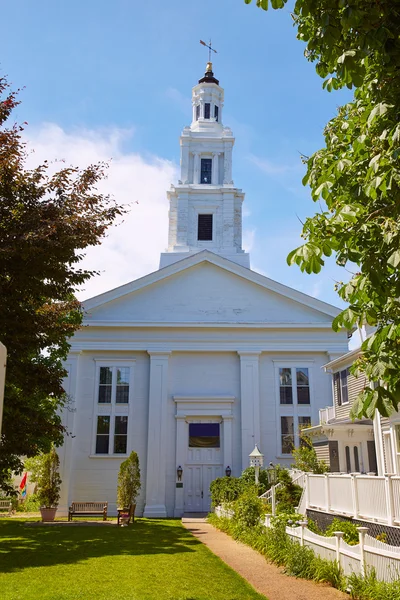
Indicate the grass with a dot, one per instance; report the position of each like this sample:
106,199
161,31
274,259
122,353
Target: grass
150,560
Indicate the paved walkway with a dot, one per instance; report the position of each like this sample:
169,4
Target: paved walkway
266,578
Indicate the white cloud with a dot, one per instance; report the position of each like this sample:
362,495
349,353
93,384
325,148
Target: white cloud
183,102
131,249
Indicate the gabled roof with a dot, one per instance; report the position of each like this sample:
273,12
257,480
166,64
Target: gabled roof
205,256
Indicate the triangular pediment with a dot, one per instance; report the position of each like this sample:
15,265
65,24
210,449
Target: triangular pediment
210,289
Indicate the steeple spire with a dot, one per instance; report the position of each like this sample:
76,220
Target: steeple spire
205,207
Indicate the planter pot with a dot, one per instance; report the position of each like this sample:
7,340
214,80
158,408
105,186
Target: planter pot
48,514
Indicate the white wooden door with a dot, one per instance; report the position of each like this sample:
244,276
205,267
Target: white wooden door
197,481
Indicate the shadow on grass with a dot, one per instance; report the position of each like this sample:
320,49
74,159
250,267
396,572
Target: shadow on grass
24,546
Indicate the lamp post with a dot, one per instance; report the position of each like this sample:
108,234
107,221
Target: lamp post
256,461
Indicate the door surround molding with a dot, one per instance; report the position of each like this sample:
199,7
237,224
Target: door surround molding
210,406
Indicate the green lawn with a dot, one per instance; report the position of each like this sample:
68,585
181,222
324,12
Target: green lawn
150,560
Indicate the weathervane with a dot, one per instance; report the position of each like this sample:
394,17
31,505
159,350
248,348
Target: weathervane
209,49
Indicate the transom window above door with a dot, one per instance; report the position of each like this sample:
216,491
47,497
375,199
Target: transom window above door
204,435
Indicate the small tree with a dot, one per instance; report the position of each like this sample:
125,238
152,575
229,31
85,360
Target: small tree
128,481
306,459
48,479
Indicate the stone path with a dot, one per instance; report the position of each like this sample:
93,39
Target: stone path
266,578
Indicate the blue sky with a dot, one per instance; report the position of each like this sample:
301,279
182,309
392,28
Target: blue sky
114,81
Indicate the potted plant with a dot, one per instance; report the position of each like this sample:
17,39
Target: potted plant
128,488
48,484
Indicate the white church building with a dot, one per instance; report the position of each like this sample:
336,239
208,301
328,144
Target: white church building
192,365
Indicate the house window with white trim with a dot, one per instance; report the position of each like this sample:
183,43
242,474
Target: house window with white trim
294,394
294,398
340,383
111,417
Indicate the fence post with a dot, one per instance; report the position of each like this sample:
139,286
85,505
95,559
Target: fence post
339,535
303,525
354,493
327,493
307,483
389,497
361,536
273,500
267,521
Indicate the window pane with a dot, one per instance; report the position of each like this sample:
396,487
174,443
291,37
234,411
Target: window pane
207,110
356,461
216,113
102,438
285,376
348,462
120,444
105,375
123,376
303,423
121,425
102,444
103,424
287,425
105,385
303,395
122,392
206,166
104,394
197,112
286,395
204,435
302,376
287,435
205,227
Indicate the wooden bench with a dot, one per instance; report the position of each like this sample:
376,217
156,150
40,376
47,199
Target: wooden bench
126,514
84,509
6,505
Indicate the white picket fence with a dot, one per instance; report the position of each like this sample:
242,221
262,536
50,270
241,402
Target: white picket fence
369,552
358,496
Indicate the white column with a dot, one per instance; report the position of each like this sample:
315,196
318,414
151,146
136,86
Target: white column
196,167
250,403
157,434
66,452
228,164
380,460
184,162
181,450
227,437
215,165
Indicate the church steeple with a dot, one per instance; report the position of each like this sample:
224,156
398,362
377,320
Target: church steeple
205,207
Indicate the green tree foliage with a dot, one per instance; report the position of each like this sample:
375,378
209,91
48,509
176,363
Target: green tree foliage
48,479
128,481
46,222
356,177
305,457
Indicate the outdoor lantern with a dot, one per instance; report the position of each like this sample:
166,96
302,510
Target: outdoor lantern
256,461
271,474
228,471
179,472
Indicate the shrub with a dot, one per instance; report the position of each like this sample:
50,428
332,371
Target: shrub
30,504
48,479
369,588
288,496
305,457
248,510
248,477
225,489
382,537
349,529
128,481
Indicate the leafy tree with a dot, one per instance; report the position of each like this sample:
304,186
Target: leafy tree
128,481
305,457
46,222
356,177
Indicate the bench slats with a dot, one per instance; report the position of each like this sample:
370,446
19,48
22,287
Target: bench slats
88,508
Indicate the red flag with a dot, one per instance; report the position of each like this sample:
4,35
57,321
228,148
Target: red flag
22,485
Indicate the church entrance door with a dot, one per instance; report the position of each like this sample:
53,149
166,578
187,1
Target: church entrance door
203,463
197,486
